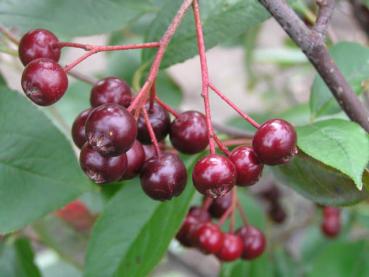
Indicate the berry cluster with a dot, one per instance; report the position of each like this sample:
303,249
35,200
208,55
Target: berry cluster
331,225
199,231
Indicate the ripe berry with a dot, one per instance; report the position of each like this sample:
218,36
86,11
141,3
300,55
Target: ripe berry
247,165
163,177
220,205
149,151
194,217
253,242
111,129
38,43
77,215
331,225
79,130
188,132
135,160
101,169
275,142
214,175
208,238
231,249
160,123
44,81
111,90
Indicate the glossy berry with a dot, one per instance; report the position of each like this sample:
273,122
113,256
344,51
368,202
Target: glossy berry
331,225
164,177
149,151
101,169
79,130
194,217
38,43
209,238
188,132
277,213
231,249
253,242
160,123
275,142
111,90
44,81
220,205
214,175
248,167
135,160
111,129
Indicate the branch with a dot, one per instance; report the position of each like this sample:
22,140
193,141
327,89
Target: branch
311,42
326,8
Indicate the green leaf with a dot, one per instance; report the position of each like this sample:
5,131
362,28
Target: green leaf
17,259
134,231
70,17
337,143
352,59
320,183
222,20
38,168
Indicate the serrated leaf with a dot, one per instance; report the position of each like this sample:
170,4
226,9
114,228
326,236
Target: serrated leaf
222,20
353,61
320,183
134,231
70,17
337,143
38,168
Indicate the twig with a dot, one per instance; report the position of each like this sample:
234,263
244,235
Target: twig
312,44
326,8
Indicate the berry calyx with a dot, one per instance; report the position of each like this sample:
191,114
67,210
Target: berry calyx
331,225
253,242
214,175
111,90
111,129
44,81
188,132
275,142
79,130
220,205
101,169
231,249
209,238
135,160
38,43
160,122
164,177
248,167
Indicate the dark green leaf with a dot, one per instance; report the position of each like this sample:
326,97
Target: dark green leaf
38,169
17,259
352,59
222,20
134,231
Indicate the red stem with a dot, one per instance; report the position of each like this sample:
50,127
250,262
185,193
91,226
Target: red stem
233,106
206,204
152,95
151,133
234,202
221,145
204,73
242,213
166,107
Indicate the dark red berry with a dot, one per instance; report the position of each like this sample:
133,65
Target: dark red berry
38,43
44,81
149,151
220,205
275,142
163,177
331,211
160,123
101,169
188,132
111,129
78,128
209,238
231,249
214,175
111,90
248,167
253,242
277,213
194,217
135,160
331,225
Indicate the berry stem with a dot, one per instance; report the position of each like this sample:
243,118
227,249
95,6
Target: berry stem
242,213
225,215
236,142
234,107
151,132
166,107
204,73
206,204
152,95
233,215
221,145
9,35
